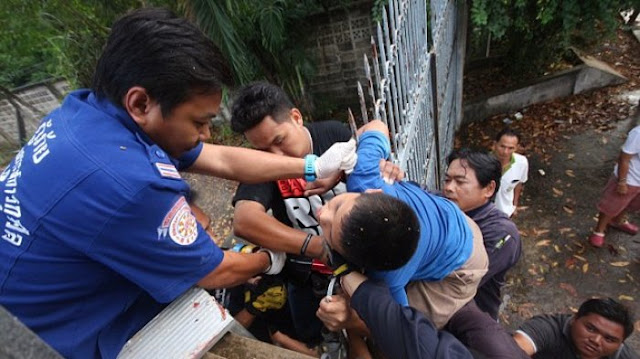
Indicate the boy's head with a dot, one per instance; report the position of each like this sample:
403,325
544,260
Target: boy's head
266,116
472,178
166,74
371,230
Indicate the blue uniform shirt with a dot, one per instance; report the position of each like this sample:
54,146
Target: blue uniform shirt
445,241
95,230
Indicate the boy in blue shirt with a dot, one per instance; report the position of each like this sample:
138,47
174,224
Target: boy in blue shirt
443,272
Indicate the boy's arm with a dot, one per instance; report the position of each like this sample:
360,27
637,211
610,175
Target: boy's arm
375,125
373,146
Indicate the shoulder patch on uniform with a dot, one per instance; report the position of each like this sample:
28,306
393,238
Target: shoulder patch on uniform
179,224
168,170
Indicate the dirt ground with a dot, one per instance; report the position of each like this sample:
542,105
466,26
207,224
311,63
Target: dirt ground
572,145
558,269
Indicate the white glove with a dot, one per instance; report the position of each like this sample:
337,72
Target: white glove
277,260
339,157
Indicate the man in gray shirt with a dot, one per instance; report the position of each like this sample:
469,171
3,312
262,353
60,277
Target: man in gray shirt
598,330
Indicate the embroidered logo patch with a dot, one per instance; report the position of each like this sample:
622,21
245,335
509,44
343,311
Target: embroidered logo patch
167,170
179,224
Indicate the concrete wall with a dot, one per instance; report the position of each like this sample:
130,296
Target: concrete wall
589,75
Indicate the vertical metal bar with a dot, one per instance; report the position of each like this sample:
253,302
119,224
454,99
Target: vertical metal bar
384,95
376,70
401,23
363,105
392,101
372,94
434,104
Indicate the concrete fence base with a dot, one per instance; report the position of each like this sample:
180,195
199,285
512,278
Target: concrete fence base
591,74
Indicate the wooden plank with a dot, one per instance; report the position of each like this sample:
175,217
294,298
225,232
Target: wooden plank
211,356
233,346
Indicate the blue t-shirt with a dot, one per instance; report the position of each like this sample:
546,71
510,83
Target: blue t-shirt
96,233
446,241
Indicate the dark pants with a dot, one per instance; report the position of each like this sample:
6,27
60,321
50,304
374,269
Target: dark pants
304,304
481,333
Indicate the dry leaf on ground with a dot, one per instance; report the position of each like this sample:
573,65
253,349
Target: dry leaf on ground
619,264
569,288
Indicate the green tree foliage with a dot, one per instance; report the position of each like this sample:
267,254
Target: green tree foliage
536,33
23,54
56,38
262,39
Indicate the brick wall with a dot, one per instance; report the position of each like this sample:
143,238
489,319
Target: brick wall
339,39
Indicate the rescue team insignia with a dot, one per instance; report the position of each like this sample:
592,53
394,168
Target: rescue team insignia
179,224
167,170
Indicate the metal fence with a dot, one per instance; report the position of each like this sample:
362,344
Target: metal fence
22,109
415,82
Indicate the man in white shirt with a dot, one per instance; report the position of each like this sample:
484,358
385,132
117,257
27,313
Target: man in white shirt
515,170
622,192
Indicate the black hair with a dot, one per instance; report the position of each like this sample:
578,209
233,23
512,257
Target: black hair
508,131
611,310
486,166
165,54
380,232
256,101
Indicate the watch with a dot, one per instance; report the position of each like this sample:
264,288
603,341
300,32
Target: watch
309,168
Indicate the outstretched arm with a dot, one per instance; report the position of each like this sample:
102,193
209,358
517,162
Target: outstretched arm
251,166
375,125
245,165
373,146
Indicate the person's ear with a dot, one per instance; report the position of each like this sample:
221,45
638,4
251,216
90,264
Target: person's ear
296,116
139,105
489,190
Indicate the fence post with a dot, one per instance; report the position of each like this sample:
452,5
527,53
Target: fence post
436,116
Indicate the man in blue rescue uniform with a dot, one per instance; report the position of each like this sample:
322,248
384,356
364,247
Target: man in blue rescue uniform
97,234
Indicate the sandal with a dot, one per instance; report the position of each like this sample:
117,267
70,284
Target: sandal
625,226
596,240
